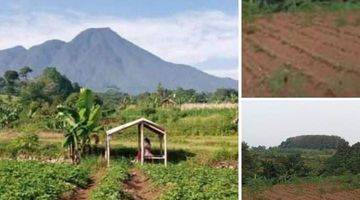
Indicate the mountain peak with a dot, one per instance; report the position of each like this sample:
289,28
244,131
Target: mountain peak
95,35
100,59
15,49
99,31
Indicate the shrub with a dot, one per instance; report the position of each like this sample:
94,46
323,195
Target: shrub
25,144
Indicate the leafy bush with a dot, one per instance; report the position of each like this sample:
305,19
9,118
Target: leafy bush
27,144
34,180
345,160
189,182
109,187
8,114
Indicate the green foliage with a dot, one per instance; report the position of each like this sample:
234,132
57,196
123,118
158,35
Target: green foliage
9,113
27,143
256,8
249,162
345,160
79,123
224,154
216,121
283,168
110,187
189,182
313,142
24,71
34,180
11,76
284,78
51,86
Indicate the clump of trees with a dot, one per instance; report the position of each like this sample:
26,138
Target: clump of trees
276,168
313,142
282,165
345,160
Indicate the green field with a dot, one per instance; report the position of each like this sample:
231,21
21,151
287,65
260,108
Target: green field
197,152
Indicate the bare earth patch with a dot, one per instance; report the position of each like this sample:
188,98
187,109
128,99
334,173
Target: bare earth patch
306,192
318,55
140,188
84,193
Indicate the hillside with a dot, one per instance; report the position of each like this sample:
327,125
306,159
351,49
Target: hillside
100,59
313,142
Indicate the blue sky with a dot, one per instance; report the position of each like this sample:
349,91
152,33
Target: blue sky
269,122
197,32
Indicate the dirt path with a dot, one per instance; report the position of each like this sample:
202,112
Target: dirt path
139,187
84,194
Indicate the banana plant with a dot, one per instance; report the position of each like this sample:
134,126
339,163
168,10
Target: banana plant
80,123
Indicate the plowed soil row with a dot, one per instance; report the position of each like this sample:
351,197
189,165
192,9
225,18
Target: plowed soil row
323,51
306,192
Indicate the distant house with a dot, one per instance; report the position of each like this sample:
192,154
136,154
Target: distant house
168,102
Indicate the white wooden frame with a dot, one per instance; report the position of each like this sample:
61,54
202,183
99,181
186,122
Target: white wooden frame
142,122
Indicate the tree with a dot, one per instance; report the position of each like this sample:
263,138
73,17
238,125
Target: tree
2,83
34,91
24,72
160,91
248,161
313,142
223,94
80,123
56,83
11,76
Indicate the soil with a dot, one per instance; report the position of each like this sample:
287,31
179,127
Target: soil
307,192
84,193
139,186
324,51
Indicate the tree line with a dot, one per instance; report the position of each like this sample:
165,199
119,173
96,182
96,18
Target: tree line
279,166
313,142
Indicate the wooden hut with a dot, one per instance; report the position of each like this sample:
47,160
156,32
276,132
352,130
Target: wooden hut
141,124
168,102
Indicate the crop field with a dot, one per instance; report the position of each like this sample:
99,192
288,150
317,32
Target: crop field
34,180
309,54
196,170
202,160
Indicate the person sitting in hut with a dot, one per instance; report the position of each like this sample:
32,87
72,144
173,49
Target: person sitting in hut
147,150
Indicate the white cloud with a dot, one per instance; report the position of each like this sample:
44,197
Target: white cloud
188,38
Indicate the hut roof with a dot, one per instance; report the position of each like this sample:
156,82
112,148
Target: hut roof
147,123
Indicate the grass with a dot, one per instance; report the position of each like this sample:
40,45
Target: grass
284,78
